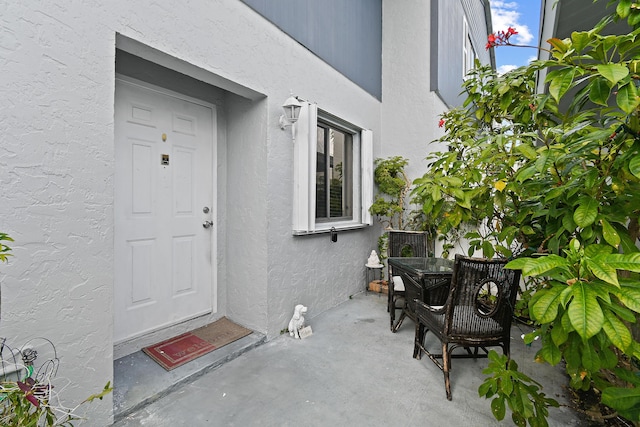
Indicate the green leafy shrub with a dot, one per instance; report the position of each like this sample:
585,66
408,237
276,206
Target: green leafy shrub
515,390
4,249
552,179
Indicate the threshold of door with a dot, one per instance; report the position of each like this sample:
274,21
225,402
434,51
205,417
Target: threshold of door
138,380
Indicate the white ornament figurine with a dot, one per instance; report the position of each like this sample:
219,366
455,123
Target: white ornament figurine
297,321
373,260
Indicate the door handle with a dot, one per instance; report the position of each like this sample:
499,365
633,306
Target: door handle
207,224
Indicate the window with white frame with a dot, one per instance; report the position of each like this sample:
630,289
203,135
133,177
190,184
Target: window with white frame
468,51
333,173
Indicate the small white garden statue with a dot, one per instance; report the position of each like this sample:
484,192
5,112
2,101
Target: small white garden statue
297,321
374,261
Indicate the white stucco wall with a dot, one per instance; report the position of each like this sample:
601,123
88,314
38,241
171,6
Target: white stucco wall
57,167
410,109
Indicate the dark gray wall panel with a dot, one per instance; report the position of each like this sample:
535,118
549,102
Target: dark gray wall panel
347,34
447,41
479,28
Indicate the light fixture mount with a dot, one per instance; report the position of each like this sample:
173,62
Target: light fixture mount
291,114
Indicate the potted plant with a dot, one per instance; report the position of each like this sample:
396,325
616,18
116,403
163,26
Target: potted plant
391,206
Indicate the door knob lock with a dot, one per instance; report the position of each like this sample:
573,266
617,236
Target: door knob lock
207,224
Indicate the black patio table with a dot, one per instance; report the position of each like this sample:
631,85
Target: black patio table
424,278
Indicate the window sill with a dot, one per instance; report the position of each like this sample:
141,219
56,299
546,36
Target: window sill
338,228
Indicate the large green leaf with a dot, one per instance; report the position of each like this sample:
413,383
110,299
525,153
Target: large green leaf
627,243
506,385
623,8
609,233
630,297
544,308
634,166
593,251
559,335
506,100
584,311
561,83
613,72
625,400
572,351
603,271
518,263
599,92
550,352
590,359
616,330
630,262
526,173
627,98
498,408
580,40
538,266
586,212
634,18
558,44
603,291
620,311
543,162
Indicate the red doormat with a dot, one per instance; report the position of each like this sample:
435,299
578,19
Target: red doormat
184,348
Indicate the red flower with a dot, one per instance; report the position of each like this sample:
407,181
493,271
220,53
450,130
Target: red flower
491,41
500,38
441,123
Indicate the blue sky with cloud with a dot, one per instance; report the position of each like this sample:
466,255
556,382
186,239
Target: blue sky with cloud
524,16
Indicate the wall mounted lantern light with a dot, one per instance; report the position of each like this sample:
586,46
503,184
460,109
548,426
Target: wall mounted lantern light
291,114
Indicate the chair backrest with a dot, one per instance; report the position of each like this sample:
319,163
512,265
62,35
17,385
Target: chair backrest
482,297
403,243
407,244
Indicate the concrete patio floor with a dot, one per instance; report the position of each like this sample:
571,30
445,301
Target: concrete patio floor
351,372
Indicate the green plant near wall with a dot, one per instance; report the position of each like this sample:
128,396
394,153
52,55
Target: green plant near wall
28,401
393,186
553,179
4,249
390,205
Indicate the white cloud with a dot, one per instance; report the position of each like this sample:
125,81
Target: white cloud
504,14
506,68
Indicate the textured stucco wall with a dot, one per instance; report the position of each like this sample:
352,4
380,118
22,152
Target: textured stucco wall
56,176
57,165
246,226
410,109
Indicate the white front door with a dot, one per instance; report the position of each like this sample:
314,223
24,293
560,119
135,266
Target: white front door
163,196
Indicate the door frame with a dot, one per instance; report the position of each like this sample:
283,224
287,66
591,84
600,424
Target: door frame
132,344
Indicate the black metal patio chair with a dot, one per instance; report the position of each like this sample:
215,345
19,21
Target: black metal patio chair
402,244
476,315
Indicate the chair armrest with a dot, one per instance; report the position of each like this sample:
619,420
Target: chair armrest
438,284
435,309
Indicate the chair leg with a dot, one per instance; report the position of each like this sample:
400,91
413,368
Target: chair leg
394,328
446,364
418,341
392,314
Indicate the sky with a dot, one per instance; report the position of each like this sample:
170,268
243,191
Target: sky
524,16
